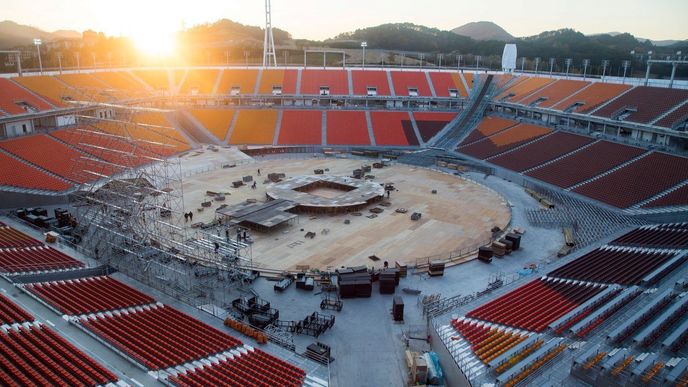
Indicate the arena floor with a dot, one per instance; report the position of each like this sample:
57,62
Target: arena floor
459,216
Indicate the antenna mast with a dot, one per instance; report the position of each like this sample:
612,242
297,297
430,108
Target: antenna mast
269,57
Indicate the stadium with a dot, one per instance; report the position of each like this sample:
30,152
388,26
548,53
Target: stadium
354,224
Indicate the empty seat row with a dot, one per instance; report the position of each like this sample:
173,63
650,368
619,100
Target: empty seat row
487,342
9,237
429,124
539,152
487,127
504,141
16,100
35,259
643,104
677,197
553,93
11,313
654,236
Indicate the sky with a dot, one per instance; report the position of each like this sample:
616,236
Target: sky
320,19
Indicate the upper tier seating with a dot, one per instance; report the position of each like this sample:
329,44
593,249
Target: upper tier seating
504,141
443,82
393,128
35,259
199,82
535,305
49,88
487,127
83,81
301,127
429,124
592,97
347,128
88,295
245,367
16,100
363,79
120,80
637,181
523,89
254,127
678,197
11,313
35,355
553,93
500,80
539,152
217,121
470,78
156,79
285,79
10,237
245,80
312,81
607,265
405,80
655,236
159,336
678,116
15,173
647,103
586,164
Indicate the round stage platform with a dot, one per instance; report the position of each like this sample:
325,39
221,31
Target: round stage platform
327,193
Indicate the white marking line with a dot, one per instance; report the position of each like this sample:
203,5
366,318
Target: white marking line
136,382
50,323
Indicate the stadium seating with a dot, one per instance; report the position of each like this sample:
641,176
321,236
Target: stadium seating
364,79
245,367
586,163
677,197
217,121
405,80
442,82
647,103
347,128
312,80
301,127
286,79
549,148
49,88
678,116
35,259
429,124
608,265
199,81
11,313
487,127
35,355
245,80
12,98
159,336
88,295
504,141
655,236
82,81
486,342
10,237
254,127
120,80
157,140
164,127
51,155
592,97
500,80
156,79
535,305
470,78
393,128
15,173
638,180
553,93
523,89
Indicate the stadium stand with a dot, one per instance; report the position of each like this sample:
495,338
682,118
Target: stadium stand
612,265
120,80
487,127
284,79
553,93
15,173
11,313
655,236
674,118
82,81
546,149
470,78
444,82
159,336
156,79
301,127
429,124
586,163
406,81
347,128
88,295
393,128
535,305
677,197
199,82
154,139
591,98
638,180
35,259
487,342
523,89
16,100
254,127
645,313
362,80
36,355
217,121
504,141
312,82
49,88
10,237
245,366
164,126
244,80
643,104
500,80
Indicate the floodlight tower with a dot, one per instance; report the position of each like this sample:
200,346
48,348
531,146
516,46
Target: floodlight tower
269,56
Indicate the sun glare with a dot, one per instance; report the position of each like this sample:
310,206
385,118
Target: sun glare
155,43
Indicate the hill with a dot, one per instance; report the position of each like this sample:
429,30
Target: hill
483,30
13,34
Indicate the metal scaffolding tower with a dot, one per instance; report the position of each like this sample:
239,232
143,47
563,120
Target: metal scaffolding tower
269,56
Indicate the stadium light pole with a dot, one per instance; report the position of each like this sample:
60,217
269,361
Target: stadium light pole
38,43
246,57
421,60
568,65
551,65
605,63
626,64
537,64
363,46
78,63
286,57
523,63
227,57
93,55
439,56
403,56
59,61
477,61
458,61
586,63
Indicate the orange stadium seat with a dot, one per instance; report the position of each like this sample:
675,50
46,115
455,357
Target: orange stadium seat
15,173
313,80
254,127
245,80
199,81
523,89
13,98
48,87
443,82
120,80
393,128
539,152
301,127
154,139
106,147
406,81
286,79
487,127
504,141
217,121
591,97
553,93
470,78
362,80
347,128
156,79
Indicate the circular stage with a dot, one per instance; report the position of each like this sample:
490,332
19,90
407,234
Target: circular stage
327,193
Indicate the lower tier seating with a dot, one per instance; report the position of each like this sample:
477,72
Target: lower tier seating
217,121
88,295
35,259
504,141
347,128
159,336
16,100
254,127
487,127
677,197
11,313
487,342
301,127
539,152
654,236
393,128
10,237
429,124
